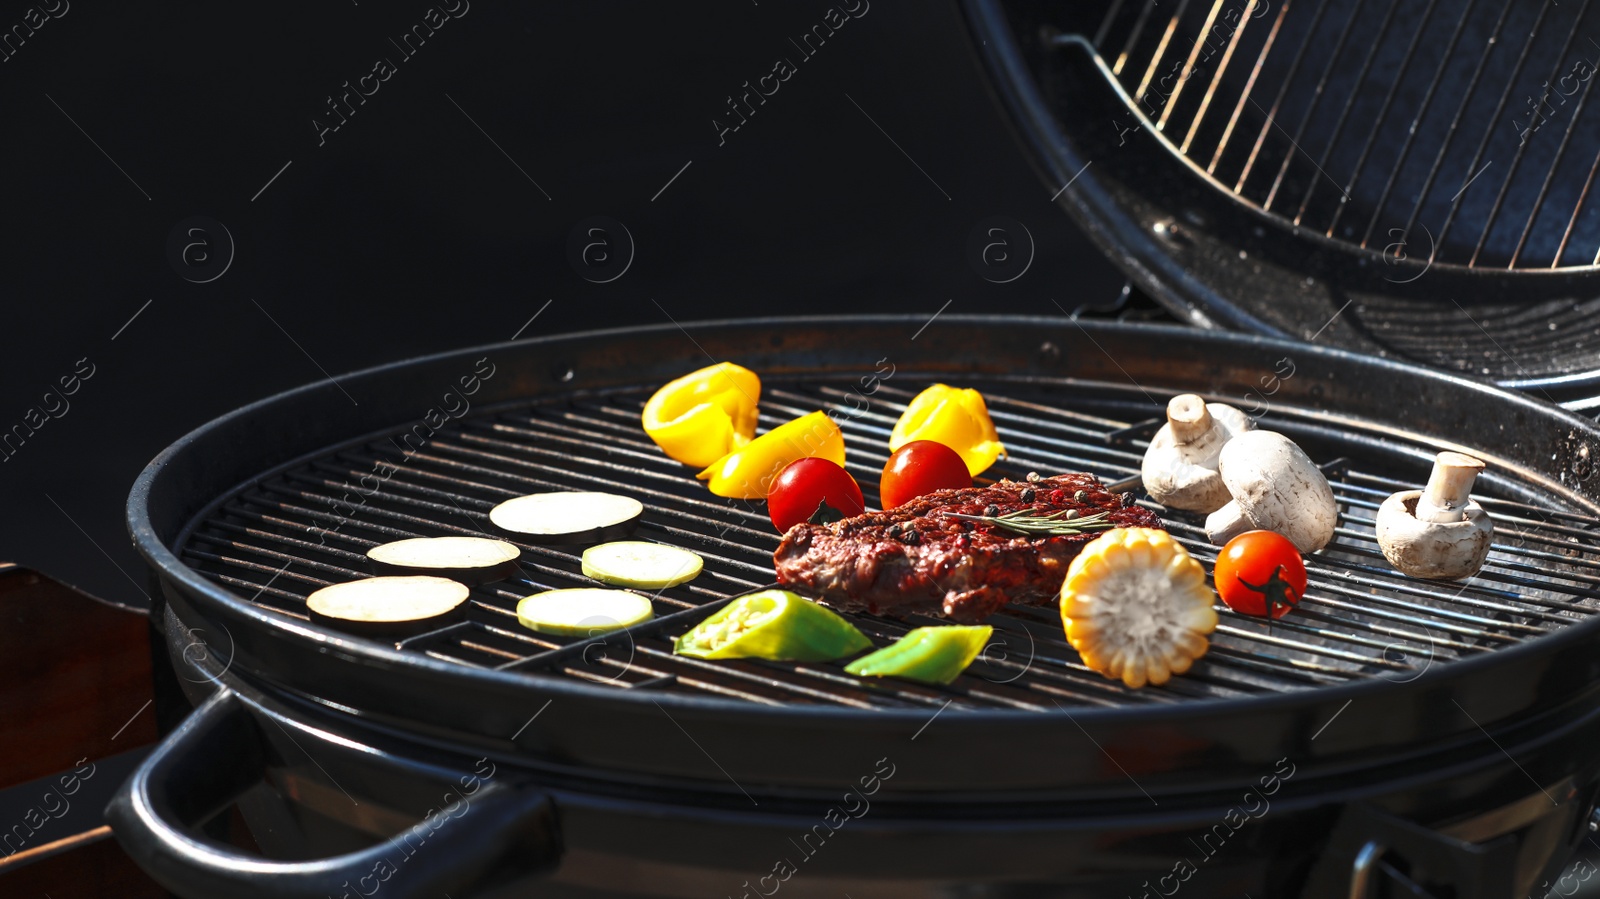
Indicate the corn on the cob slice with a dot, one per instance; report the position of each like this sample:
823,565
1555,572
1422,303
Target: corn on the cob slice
1136,606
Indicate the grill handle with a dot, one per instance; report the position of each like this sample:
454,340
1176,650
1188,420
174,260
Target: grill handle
1370,851
217,753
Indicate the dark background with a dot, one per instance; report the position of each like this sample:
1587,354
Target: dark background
414,228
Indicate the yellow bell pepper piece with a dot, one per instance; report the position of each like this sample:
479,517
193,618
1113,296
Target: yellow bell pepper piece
954,417
1136,606
748,473
704,415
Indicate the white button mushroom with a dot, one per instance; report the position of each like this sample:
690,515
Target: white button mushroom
1275,487
1180,467
1437,532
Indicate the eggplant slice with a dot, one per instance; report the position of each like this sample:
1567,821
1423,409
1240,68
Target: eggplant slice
388,607
468,560
562,518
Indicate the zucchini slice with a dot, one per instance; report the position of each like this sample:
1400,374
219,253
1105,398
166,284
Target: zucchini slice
469,560
388,607
568,517
643,566
583,611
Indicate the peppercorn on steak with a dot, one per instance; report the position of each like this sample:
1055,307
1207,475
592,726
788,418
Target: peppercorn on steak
961,554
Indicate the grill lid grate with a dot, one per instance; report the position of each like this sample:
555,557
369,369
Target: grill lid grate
1327,114
275,541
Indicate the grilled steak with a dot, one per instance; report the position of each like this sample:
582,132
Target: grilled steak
915,559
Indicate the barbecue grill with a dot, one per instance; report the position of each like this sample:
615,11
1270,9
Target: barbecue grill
1411,732
1406,179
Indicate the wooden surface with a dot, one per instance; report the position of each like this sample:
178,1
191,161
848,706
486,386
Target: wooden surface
75,685
74,677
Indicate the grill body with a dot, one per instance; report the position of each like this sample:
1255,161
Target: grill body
332,784
1408,721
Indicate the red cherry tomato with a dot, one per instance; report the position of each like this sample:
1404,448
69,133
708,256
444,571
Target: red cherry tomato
1258,569
806,483
919,467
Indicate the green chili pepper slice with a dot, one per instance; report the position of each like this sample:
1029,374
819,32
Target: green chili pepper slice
930,655
776,625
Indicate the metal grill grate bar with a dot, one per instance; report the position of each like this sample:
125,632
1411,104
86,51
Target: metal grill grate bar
1133,38
1383,113
1522,146
1105,24
1449,135
1188,64
1549,176
1161,50
1283,90
1249,88
1350,102
1488,131
1316,95
1216,78
1411,135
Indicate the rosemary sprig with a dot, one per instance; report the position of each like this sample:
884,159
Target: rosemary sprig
1028,523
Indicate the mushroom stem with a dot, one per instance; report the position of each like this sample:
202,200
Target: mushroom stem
1189,418
1227,523
1444,500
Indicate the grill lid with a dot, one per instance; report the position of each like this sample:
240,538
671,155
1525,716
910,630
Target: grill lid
1368,122
240,536
1412,180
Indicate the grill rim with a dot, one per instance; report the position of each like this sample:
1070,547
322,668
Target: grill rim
238,610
